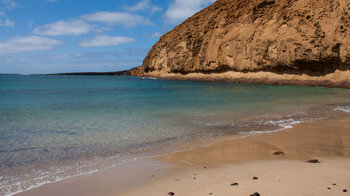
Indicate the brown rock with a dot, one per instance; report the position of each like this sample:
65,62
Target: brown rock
137,71
171,193
294,37
313,161
279,153
255,194
234,184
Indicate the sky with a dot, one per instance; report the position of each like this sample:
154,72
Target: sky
54,36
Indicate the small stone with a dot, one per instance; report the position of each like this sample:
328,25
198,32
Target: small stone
177,179
171,193
313,161
210,193
205,167
234,184
255,178
344,190
334,184
278,153
194,178
329,188
255,194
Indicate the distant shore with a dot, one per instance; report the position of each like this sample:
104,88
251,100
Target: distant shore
114,73
278,160
136,71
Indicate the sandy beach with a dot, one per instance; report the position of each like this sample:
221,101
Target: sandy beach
338,79
214,169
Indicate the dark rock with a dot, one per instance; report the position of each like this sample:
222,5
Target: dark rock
255,194
313,161
255,178
329,188
278,153
171,193
234,184
334,184
210,193
344,190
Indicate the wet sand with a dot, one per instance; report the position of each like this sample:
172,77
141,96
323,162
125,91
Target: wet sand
210,170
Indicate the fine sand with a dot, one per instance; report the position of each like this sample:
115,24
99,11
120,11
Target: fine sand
210,170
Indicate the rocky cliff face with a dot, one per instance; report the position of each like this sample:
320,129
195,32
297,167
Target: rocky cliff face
282,36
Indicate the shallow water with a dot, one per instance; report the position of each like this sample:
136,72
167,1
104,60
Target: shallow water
54,127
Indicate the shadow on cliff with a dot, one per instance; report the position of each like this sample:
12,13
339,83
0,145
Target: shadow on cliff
299,67
310,68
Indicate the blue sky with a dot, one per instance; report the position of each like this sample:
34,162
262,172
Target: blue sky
50,36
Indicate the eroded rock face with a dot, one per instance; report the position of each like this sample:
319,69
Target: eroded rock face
283,36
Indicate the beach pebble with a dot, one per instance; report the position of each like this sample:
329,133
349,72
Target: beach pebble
204,167
255,178
329,188
234,184
344,190
171,193
278,153
210,193
313,161
255,194
334,184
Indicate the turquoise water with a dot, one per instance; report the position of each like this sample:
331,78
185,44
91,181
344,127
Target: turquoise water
54,127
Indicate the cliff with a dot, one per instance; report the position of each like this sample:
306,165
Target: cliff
303,39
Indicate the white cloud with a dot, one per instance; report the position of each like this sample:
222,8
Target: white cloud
27,44
156,34
153,35
179,10
9,4
73,27
143,5
104,40
4,21
123,18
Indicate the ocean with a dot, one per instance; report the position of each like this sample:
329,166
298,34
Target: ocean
56,127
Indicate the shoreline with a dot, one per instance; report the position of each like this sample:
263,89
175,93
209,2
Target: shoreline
155,176
338,79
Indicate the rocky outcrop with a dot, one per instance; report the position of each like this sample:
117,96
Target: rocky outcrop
309,37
